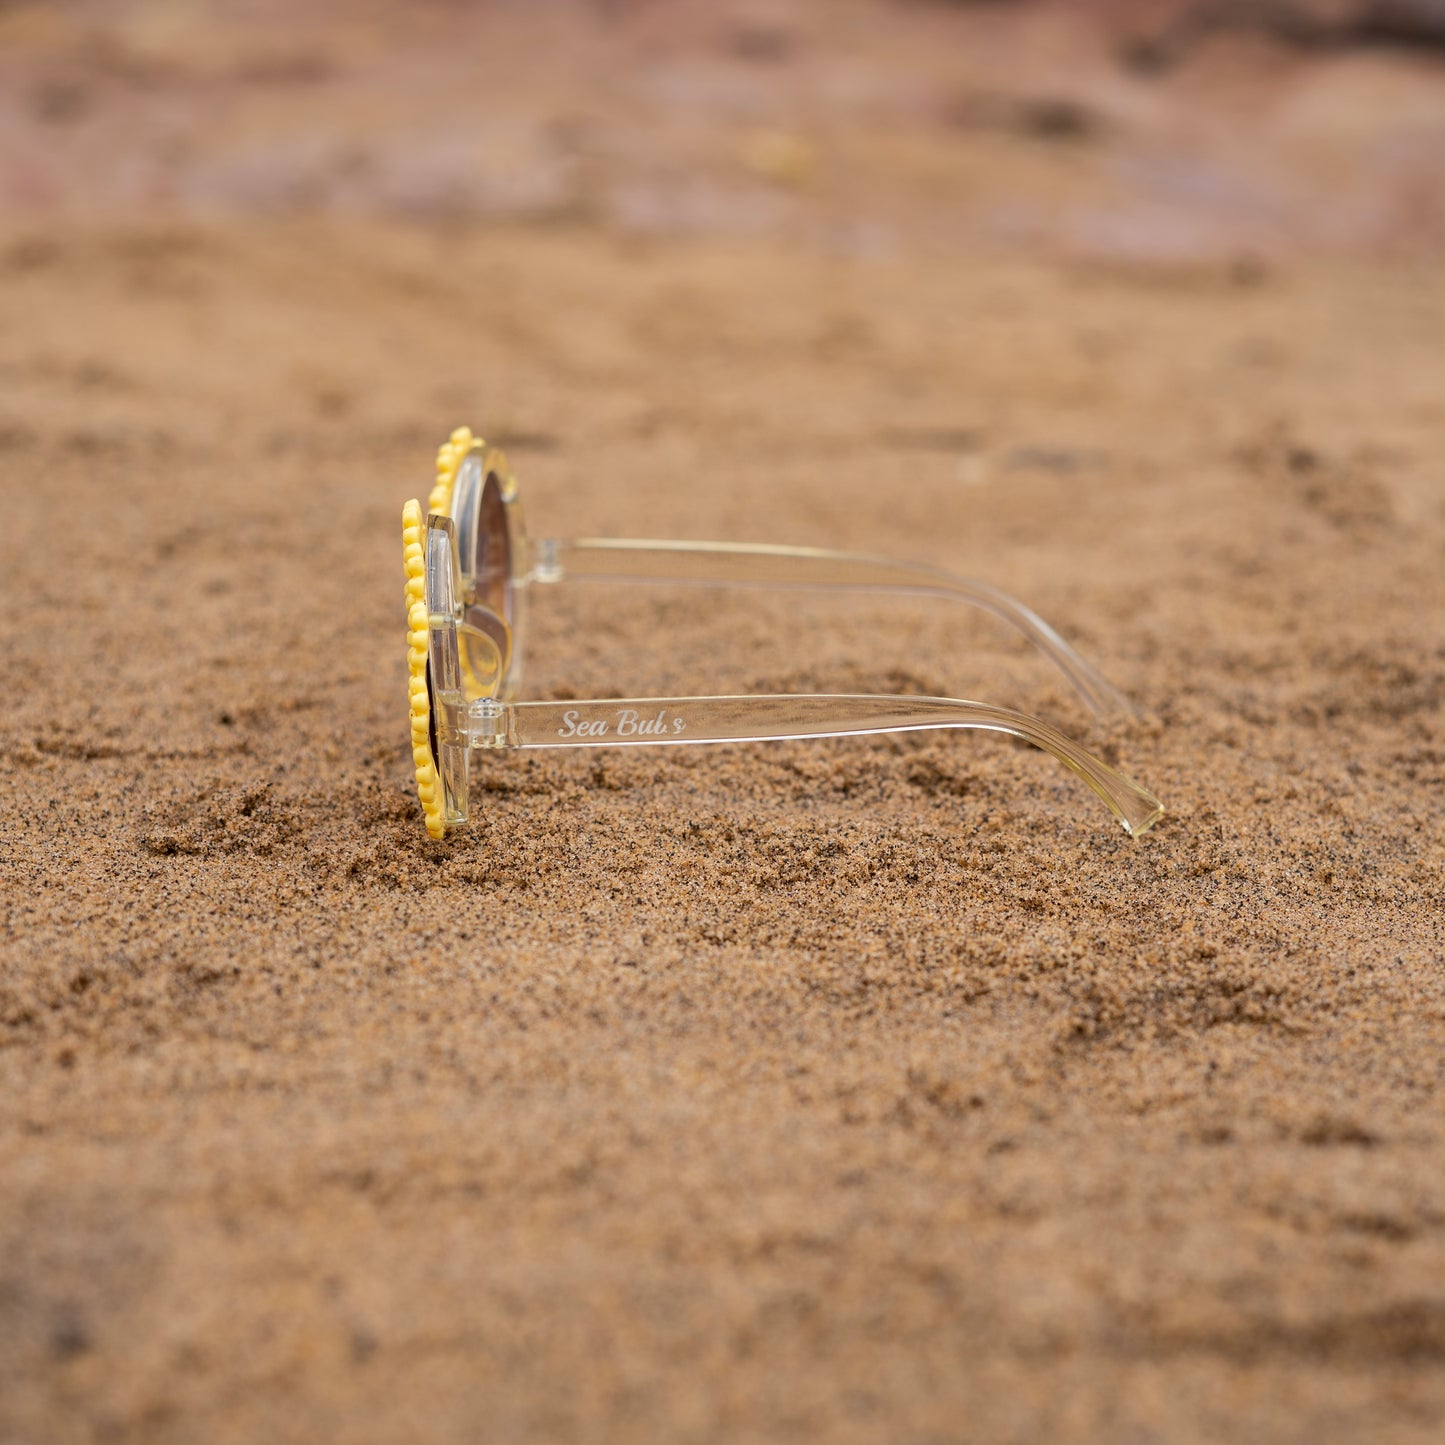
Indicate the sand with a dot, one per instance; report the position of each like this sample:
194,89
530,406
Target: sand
864,1090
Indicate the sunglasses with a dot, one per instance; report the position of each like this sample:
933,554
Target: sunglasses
469,568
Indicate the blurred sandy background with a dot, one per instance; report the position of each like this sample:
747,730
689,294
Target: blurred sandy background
867,1090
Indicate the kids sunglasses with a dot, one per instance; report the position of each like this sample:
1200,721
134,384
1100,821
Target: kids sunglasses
469,567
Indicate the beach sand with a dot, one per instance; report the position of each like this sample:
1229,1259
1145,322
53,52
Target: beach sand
876,1089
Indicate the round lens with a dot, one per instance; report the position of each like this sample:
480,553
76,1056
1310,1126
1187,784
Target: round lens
494,551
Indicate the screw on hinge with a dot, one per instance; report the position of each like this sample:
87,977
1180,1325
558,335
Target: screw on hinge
487,720
548,566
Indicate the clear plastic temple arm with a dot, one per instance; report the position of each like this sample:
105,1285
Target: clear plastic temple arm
629,722
729,564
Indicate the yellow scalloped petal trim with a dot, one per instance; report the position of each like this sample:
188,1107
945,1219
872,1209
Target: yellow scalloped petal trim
428,784
449,459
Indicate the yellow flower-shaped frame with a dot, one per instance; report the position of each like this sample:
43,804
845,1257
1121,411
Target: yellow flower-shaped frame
413,547
488,655
428,784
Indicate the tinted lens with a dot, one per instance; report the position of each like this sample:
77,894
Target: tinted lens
494,551
465,506
431,712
